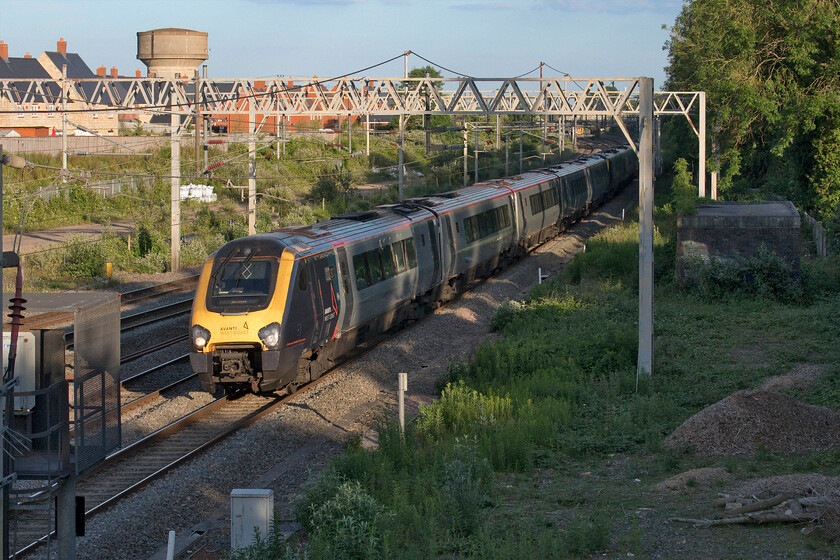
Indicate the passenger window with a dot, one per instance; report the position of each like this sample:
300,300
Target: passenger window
301,276
388,269
374,266
399,256
410,253
360,266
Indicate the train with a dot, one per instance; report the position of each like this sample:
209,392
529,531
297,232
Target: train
276,310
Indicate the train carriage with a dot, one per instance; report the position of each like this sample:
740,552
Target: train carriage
276,310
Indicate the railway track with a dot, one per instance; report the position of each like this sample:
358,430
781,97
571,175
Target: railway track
56,318
131,468
99,499
181,285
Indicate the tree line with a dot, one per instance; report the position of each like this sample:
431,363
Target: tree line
771,70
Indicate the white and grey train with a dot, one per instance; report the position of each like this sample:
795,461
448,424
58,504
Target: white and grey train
275,310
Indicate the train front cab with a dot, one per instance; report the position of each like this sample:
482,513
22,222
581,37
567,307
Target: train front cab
256,312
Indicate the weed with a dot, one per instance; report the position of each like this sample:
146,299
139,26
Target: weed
588,533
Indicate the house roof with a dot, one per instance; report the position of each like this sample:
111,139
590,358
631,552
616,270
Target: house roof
23,68
76,67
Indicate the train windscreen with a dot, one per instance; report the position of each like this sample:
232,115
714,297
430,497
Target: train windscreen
242,285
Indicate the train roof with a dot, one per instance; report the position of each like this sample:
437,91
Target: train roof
341,230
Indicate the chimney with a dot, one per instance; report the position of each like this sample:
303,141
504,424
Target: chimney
138,74
114,72
27,55
4,50
61,46
101,71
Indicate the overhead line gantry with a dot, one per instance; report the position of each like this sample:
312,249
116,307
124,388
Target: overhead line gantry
261,99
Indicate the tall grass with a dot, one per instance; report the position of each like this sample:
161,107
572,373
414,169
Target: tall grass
559,386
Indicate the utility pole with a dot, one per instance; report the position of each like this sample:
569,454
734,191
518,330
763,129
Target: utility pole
701,164
466,149
367,134
401,162
716,150
560,135
63,123
175,189
197,123
542,149
252,167
277,135
427,121
204,124
520,149
350,134
507,153
475,158
645,360
6,469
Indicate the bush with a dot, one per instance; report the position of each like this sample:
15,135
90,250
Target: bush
508,312
84,260
683,193
345,525
465,481
764,275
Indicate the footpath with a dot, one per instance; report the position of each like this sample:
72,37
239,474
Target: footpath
38,241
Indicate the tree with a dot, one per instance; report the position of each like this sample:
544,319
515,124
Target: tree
421,73
414,122
771,71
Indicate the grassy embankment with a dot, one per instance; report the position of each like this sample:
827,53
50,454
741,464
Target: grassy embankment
545,445
313,180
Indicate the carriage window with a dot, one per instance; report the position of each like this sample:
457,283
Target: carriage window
410,253
486,224
360,267
399,256
302,277
388,269
536,204
378,265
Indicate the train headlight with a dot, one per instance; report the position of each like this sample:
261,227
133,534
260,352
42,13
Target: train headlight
270,335
200,336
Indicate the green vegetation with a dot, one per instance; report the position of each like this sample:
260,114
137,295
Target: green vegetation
316,178
544,444
771,71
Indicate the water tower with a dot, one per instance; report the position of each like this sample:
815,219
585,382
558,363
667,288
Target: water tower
171,53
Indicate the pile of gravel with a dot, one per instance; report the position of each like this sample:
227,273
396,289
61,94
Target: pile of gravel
749,421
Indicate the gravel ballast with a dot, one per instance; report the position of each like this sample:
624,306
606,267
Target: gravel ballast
287,448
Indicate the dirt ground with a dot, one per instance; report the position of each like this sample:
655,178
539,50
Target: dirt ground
40,240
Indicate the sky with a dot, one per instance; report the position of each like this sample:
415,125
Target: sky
327,38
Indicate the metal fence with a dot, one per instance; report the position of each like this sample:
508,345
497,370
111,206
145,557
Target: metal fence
95,394
112,187
818,234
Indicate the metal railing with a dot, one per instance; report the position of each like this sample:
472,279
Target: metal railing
818,233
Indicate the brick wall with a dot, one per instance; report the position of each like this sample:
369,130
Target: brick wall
735,231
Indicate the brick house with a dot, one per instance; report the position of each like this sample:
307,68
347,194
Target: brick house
42,115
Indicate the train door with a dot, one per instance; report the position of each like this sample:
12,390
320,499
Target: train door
326,283
433,239
345,311
304,305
